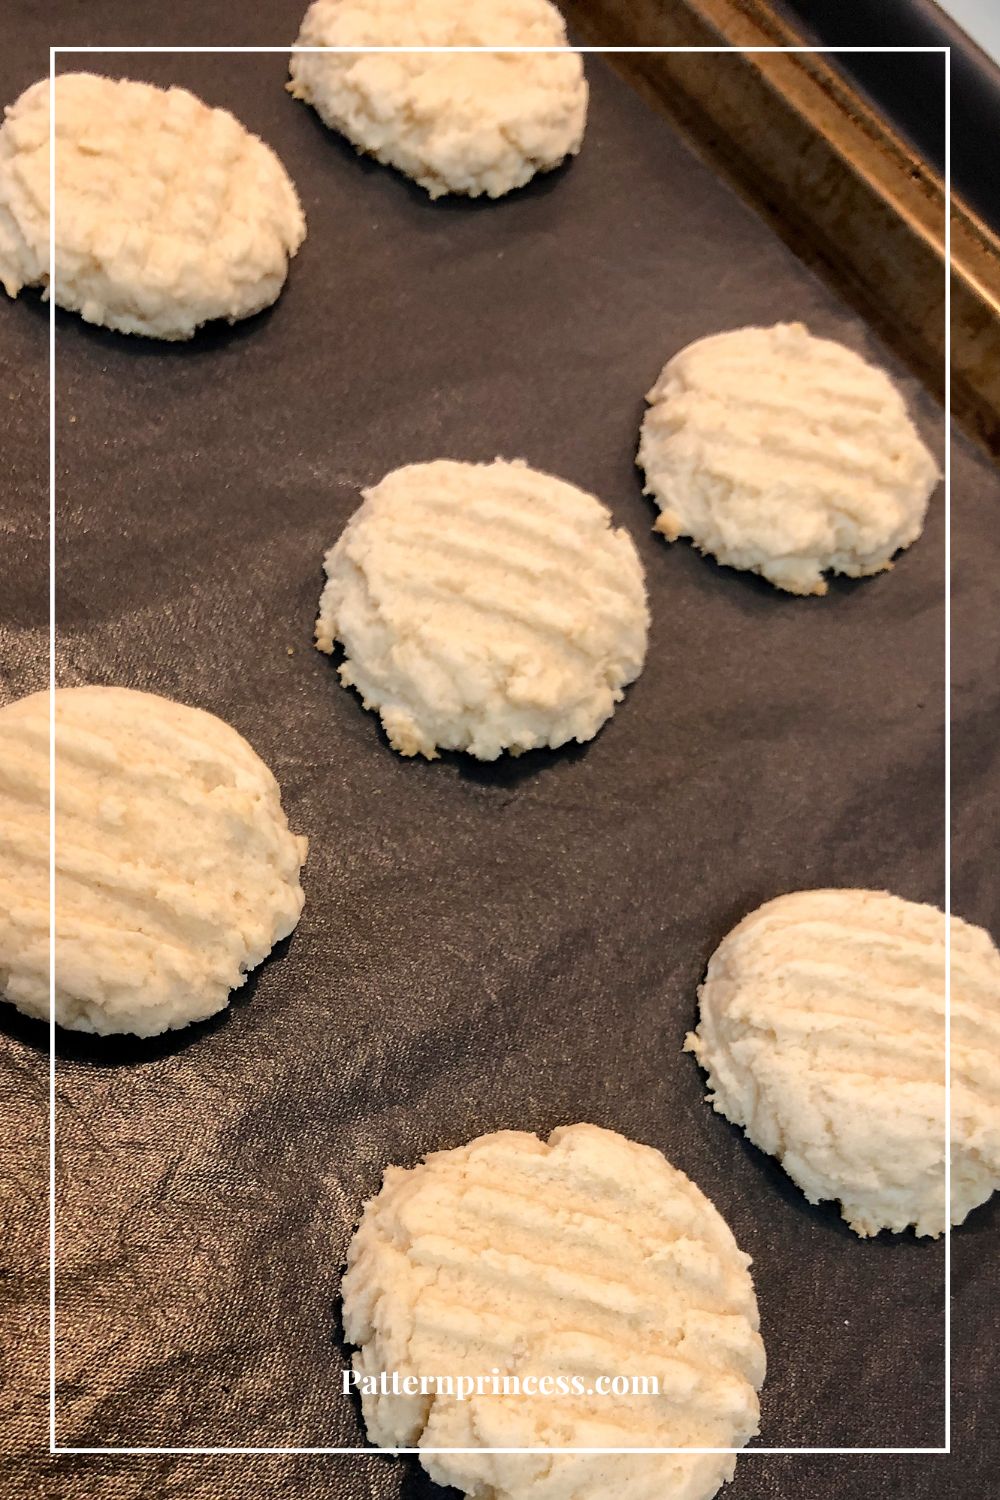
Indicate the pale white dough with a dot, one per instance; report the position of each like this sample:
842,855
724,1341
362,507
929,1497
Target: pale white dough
582,1255
176,872
455,122
168,213
786,455
484,607
822,1034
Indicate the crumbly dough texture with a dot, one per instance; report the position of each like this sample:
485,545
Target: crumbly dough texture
786,455
484,607
456,123
822,1034
168,213
585,1254
176,872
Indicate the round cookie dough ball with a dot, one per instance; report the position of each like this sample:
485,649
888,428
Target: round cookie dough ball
456,122
168,213
582,1258
175,870
786,455
484,607
822,1032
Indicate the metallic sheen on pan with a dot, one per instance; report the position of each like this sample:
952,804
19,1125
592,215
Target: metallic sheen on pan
830,176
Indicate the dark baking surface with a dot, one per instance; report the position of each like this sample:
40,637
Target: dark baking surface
482,947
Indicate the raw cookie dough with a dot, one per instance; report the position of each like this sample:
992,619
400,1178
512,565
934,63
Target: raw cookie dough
822,1034
584,1255
455,122
168,213
484,607
786,455
175,870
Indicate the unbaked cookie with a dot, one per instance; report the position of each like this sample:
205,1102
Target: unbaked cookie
175,869
583,1256
168,213
786,455
458,122
484,607
822,1032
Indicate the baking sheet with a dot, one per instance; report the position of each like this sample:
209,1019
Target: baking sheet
515,945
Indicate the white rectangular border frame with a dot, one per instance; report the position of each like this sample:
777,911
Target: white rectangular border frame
54,1447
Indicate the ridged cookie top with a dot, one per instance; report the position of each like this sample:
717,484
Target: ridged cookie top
822,1032
168,213
175,869
786,455
582,1255
484,607
456,123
